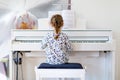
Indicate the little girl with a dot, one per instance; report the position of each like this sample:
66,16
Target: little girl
56,43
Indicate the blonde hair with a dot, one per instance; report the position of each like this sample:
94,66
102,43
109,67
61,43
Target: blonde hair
57,22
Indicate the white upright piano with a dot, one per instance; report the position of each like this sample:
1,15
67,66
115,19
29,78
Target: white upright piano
95,49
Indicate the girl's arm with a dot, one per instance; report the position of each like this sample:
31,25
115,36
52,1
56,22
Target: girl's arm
68,44
44,43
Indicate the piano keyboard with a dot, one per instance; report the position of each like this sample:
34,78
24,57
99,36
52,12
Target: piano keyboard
82,40
72,41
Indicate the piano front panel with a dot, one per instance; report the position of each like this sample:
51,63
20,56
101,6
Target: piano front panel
76,47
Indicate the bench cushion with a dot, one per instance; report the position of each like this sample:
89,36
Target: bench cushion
60,66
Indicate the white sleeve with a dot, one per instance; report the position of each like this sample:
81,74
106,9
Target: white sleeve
44,43
68,44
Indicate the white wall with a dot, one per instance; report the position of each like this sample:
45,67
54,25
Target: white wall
101,14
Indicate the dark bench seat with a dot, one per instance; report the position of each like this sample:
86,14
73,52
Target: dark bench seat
60,66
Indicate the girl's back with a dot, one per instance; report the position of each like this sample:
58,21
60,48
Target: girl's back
57,50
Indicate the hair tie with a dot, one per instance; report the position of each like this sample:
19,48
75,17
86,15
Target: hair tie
57,34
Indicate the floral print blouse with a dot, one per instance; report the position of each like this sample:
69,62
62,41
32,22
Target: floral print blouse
57,51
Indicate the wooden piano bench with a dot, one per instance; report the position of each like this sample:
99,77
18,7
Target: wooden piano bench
68,70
